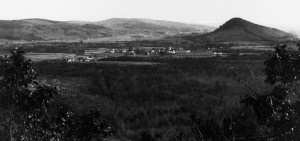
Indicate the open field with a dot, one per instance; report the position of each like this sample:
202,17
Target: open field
290,47
254,47
126,63
105,53
196,54
48,56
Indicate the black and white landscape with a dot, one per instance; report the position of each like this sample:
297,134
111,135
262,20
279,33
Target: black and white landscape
193,70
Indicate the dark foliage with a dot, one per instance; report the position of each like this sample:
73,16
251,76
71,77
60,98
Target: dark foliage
266,116
28,110
147,136
137,95
281,67
133,91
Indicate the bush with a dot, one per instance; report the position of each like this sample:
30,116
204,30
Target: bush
29,112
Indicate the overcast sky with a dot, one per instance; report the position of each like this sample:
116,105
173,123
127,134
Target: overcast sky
282,14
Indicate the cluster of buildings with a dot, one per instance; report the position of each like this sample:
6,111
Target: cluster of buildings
150,51
95,54
83,59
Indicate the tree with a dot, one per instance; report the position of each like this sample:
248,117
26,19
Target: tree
266,116
273,110
29,112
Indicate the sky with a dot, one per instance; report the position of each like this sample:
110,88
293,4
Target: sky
282,14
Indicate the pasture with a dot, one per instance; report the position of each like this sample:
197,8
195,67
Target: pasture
48,56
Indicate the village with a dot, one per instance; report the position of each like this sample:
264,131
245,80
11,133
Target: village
100,53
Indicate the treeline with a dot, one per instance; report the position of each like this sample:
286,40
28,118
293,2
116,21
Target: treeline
188,60
79,47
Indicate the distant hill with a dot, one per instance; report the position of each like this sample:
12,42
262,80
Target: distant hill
154,27
238,29
42,29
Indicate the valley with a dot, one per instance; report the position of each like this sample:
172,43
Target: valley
150,76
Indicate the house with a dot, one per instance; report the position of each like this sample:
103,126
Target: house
147,53
131,52
113,51
89,58
170,50
71,60
124,50
153,51
218,53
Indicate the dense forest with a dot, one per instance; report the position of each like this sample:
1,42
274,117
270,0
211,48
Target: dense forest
234,98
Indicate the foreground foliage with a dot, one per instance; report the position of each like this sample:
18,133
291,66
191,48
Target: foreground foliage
29,110
264,115
174,100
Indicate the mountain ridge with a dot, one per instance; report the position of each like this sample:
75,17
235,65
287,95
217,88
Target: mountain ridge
238,29
44,29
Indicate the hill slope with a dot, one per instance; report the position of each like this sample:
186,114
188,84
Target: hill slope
41,29
136,26
238,29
